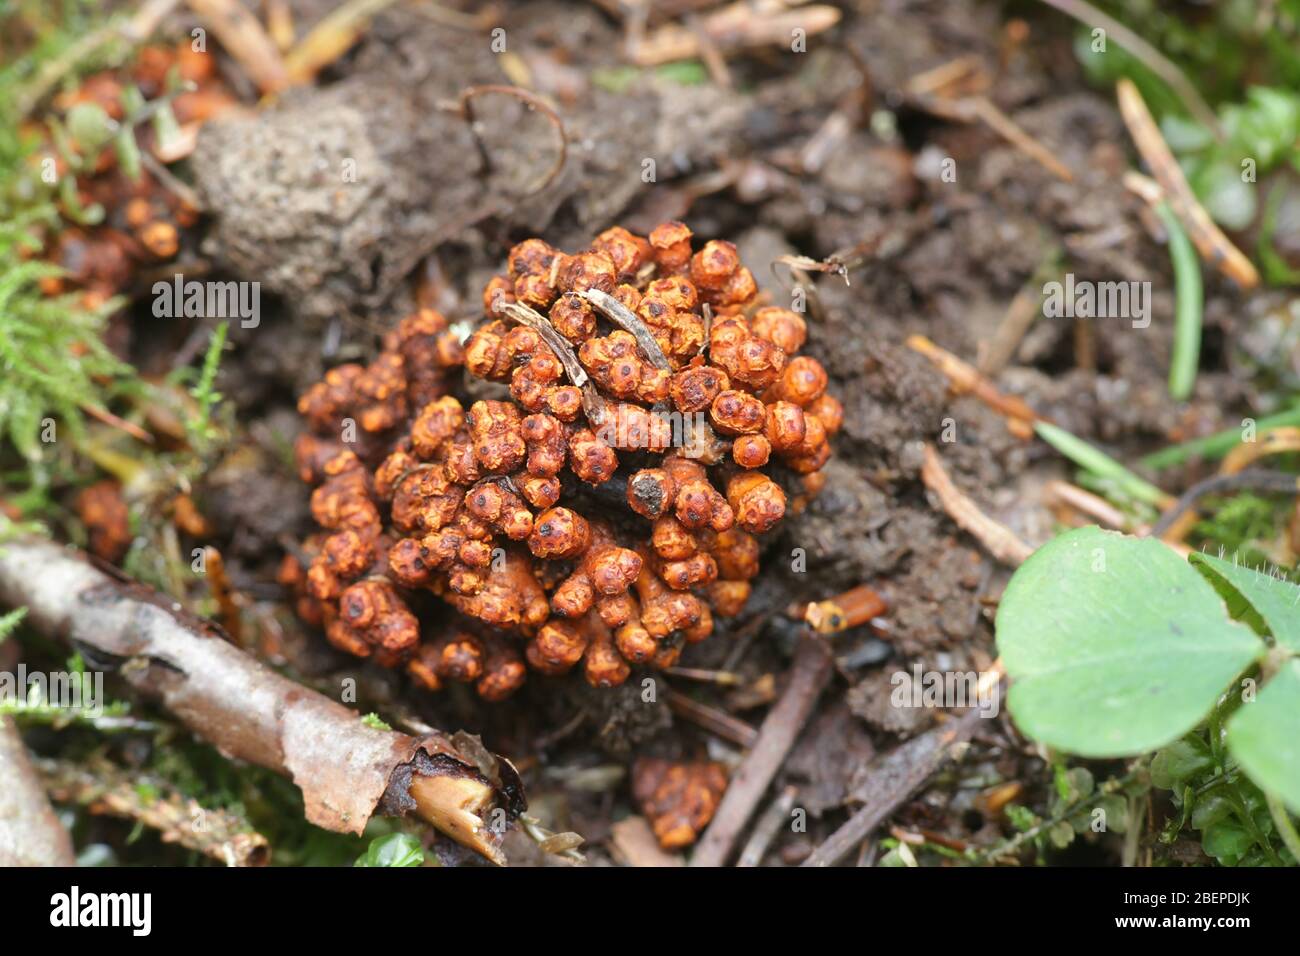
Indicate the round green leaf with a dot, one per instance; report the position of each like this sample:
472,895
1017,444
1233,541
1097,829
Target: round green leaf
1115,645
1264,736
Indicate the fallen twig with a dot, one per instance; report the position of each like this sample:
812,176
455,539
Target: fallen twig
243,37
105,789
980,108
1275,442
998,540
346,769
767,827
330,38
1015,324
627,320
737,26
30,833
1210,241
809,673
711,719
963,378
1057,492
592,402
898,775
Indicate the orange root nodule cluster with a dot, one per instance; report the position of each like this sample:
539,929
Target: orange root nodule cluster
597,515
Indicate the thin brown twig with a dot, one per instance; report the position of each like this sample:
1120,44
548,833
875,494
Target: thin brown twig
897,776
711,719
121,424
980,108
767,827
998,540
965,379
244,38
1208,238
534,102
809,674
329,39
737,26
592,401
628,321
1057,492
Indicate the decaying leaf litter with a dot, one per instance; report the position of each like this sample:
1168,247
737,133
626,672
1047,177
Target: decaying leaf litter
830,166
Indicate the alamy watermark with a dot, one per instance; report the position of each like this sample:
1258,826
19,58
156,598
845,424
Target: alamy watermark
946,689
1084,299
630,427
192,299
81,691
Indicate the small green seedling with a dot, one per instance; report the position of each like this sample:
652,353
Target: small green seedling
1116,646
395,849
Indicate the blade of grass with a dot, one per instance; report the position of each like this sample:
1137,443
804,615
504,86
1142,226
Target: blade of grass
1218,444
1150,57
1188,301
1099,463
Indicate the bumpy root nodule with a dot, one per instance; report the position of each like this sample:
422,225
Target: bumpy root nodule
598,516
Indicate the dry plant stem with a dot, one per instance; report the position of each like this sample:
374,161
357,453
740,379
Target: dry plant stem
767,827
810,672
1094,506
973,109
996,539
113,421
1274,442
105,789
30,833
592,402
1213,245
709,53
897,776
1152,58
525,315
532,101
1004,126
344,767
737,26
244,38
964,379
626,319
713,720
331,38
279,23
1011,331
